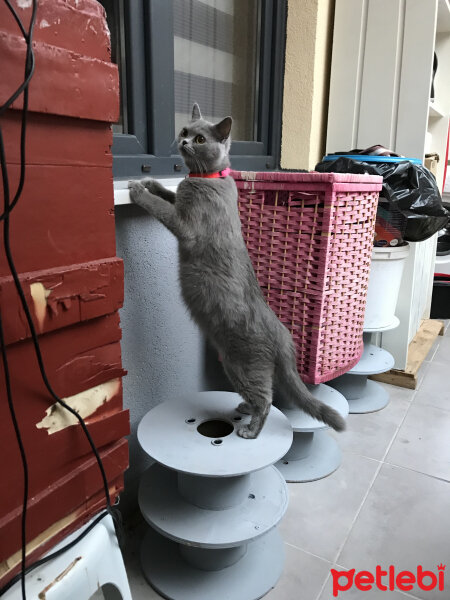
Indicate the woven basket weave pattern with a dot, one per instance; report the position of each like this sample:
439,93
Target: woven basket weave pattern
311,247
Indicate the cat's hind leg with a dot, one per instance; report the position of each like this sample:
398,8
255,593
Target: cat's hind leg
244,408
260,400
255,387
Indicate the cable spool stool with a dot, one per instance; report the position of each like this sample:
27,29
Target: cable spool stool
212,499
363,394
314,454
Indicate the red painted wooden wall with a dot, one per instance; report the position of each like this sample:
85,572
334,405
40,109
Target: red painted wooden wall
63,242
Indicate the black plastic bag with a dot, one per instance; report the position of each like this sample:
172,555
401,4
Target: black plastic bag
408,188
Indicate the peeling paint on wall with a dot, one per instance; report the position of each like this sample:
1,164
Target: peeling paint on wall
40,294
85,403
63,296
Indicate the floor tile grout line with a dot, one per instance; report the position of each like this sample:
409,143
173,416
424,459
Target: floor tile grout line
422,379
380,464
398,427
377,460
323,585
439,362
327,560
357,512
431,357
435,350
417,471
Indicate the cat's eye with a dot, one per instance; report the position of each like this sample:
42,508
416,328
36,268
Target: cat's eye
183,132
199,139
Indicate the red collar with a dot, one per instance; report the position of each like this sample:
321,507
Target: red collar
217,175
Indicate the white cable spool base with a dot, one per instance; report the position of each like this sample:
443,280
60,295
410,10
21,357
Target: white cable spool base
167,511
249,578
215,501
314,454
364,395
166,435
374,360
323,458
392,325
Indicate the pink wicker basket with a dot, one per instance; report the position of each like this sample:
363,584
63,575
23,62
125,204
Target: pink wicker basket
310,238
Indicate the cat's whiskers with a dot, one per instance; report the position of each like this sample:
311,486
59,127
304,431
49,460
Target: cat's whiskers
201,165
205,169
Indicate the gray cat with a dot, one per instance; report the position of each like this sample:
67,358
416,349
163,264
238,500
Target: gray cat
218,282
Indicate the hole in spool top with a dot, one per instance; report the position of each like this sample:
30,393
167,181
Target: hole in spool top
215,428
190,421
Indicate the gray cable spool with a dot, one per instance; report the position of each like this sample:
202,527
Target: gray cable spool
314,454
212,499
363,394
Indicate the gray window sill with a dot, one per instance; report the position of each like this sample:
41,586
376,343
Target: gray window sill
121,195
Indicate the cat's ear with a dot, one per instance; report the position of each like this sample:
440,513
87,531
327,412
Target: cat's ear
196,114
223,128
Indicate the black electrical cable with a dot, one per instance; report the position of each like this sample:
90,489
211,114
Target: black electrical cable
20,89
29,70
8,207
17,20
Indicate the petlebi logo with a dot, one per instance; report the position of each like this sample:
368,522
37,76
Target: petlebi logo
389,579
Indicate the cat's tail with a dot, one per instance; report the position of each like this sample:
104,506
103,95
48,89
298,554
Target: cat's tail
294,388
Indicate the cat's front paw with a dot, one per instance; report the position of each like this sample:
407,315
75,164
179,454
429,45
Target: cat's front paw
137,191
247,433
151,185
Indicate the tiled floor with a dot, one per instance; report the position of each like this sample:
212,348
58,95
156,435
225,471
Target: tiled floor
388,503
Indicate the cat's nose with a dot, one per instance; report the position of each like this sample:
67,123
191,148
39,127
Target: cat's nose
184,142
